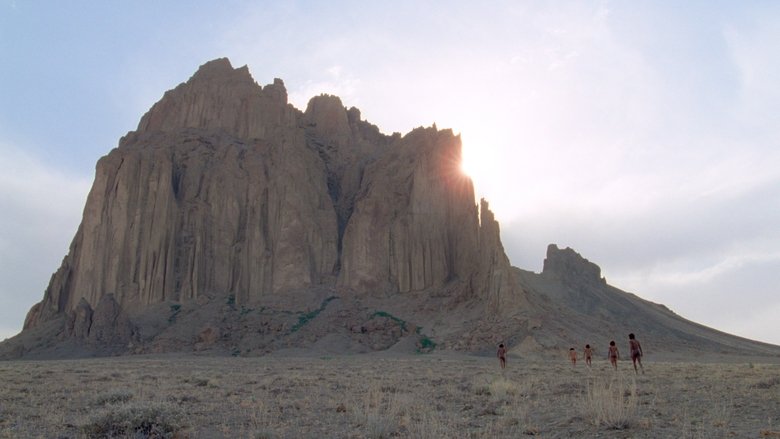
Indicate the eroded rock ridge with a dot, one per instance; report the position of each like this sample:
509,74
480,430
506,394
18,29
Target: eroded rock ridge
227,190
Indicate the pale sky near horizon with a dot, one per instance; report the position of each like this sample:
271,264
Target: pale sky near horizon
643,134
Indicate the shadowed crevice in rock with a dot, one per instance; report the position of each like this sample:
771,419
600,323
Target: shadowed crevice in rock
347,145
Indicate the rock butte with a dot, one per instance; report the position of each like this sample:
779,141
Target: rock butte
230,221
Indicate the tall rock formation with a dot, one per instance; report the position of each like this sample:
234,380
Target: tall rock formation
415,224
230,221
225,189
568,265
495,271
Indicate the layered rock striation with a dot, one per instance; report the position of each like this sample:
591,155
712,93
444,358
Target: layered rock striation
225,189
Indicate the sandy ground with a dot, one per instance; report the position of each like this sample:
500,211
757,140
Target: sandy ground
382,396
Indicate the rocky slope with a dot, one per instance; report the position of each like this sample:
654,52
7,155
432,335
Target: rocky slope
230,221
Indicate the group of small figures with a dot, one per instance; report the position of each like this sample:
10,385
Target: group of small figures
613,354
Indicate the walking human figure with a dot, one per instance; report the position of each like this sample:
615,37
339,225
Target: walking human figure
636,352
614,354
588,353
573,357
501,354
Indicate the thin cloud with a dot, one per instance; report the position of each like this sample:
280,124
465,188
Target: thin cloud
338,83
41,210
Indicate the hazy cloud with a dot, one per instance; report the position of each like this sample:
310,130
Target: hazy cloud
41,210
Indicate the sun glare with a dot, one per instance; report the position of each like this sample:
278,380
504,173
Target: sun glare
480,161
470,163
476,156
467,165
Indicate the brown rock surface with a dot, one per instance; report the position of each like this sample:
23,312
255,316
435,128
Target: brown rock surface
110,324
80,320
176,211
414,220
220,98
495,272
568,264
208,336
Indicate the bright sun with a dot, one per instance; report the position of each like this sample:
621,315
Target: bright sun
479,162
475,158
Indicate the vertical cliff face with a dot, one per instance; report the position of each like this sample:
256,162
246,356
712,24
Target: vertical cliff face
346,145
495,271
226,189
415,224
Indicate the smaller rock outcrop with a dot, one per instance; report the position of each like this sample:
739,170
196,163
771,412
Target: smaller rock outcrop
110,325
79,320
218,97
567,264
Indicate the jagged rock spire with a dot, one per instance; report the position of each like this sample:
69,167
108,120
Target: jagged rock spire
226,189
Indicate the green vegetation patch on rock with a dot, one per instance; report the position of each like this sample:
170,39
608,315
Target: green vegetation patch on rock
305,318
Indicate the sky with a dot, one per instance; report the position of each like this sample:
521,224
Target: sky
643,134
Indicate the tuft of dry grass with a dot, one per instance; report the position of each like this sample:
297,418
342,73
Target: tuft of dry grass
133,420
502,388
114,396
379,411
611,402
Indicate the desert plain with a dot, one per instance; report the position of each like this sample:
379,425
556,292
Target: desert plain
439,395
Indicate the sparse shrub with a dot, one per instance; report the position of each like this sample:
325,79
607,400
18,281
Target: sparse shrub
611,404
379,426
501,388
260,422
201,382
400,322
231,300
425,345
114,397
377,413
183,399
135,420
431,424
307,317
482,390
175,308
766,384
264,434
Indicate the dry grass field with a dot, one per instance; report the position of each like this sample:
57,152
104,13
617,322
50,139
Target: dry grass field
381,396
